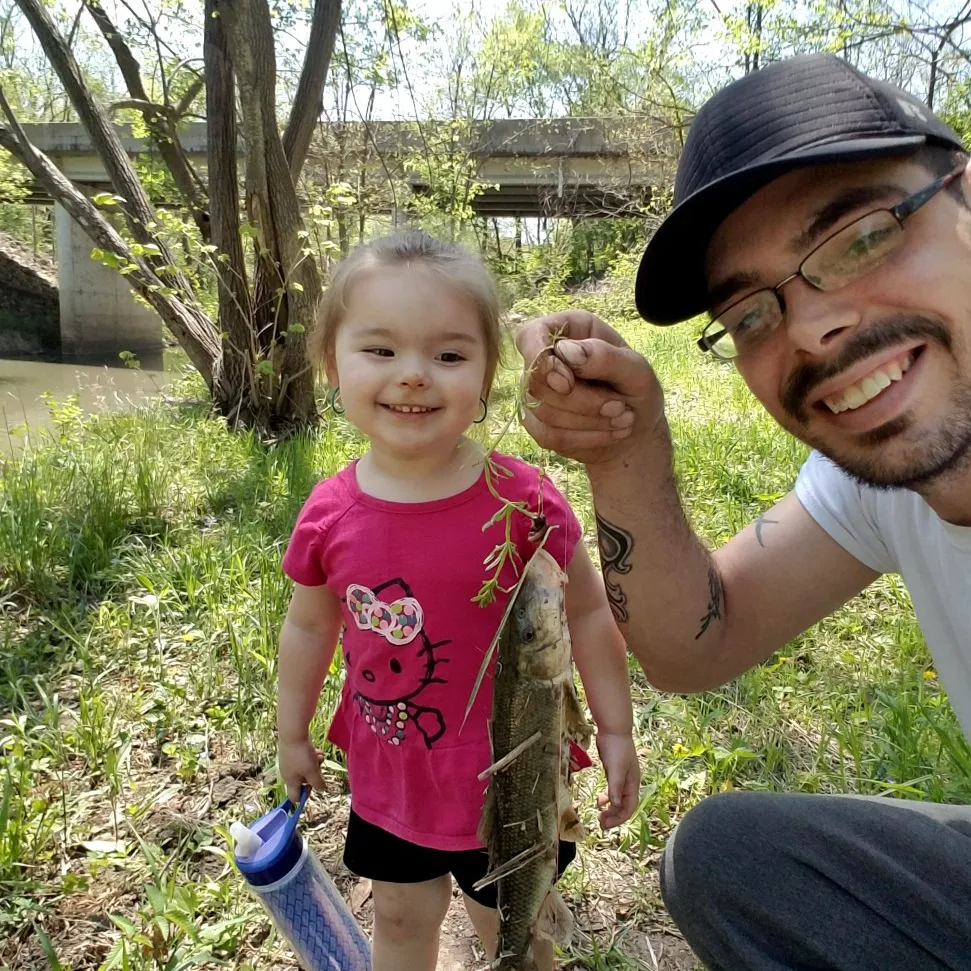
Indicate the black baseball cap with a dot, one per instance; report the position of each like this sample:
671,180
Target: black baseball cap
806,110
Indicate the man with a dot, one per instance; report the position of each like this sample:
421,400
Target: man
823,220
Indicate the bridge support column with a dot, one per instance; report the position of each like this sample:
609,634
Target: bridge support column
99,316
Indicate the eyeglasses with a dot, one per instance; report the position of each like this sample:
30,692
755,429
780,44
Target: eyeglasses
840,259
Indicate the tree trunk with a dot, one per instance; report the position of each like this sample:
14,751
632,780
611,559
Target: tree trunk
308,101
288,283
236,386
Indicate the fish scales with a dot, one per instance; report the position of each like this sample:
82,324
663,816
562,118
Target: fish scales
535,711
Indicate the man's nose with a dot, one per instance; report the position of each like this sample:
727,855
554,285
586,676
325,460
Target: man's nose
815,319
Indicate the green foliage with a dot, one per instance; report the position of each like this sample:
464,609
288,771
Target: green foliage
956,111
447,173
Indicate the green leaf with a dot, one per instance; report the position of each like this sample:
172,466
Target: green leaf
53,961
123,924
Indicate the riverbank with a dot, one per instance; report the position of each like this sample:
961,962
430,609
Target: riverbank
141,598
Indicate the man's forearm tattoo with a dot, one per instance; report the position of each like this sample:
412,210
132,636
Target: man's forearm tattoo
760,523
615,548
714,601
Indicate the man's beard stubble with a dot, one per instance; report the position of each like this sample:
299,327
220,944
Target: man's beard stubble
941,453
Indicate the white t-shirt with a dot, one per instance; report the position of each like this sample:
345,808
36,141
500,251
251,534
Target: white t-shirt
895,531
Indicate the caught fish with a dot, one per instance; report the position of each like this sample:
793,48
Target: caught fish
528,808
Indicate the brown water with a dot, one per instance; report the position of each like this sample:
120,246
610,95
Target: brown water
23,383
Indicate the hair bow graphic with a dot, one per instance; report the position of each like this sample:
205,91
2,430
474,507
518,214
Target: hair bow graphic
398,622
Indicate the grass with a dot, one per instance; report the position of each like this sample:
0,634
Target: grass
140,600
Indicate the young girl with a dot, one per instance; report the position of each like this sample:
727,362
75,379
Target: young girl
393,550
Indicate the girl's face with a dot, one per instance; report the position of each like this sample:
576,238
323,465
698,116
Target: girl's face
410,358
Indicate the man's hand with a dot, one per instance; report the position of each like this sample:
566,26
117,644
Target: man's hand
589,394
619,758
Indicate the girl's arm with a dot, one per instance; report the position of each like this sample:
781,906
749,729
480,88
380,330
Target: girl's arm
601,659
307,644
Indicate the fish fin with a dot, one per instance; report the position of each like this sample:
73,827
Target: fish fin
574,720
570,828
520,860
554,921
487,822
568,825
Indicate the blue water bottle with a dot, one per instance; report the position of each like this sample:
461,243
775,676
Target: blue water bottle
297,893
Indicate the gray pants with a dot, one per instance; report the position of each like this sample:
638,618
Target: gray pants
791,882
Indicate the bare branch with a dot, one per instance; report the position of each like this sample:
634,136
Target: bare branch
366,120
185,102
157,120
145,107
139,212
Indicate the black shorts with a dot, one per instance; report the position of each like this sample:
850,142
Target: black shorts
375,854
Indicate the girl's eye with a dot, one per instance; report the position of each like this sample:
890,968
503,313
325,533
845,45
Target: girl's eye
450,357
379,351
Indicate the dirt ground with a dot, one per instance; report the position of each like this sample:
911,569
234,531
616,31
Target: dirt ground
620,922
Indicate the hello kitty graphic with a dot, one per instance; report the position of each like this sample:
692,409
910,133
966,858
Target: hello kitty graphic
391,675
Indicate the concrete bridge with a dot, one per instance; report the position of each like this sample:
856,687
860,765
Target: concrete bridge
557,168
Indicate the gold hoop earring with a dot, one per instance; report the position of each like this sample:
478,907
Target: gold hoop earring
485,411
334,400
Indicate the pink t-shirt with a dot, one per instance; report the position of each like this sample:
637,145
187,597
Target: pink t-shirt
414,640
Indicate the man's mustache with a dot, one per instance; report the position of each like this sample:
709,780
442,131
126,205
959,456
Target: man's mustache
886,333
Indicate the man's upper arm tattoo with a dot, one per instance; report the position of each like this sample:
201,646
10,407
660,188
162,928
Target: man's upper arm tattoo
760,523
715,598
615,546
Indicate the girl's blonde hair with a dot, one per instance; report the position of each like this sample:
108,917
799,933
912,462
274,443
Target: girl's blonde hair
456,265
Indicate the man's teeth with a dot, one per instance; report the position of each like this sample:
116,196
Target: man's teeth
870,386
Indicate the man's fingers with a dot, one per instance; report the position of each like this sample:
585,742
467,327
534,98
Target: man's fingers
550,414
620,368
591,401
536,335
566,441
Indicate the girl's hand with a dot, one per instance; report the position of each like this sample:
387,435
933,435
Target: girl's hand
619,758
299,766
